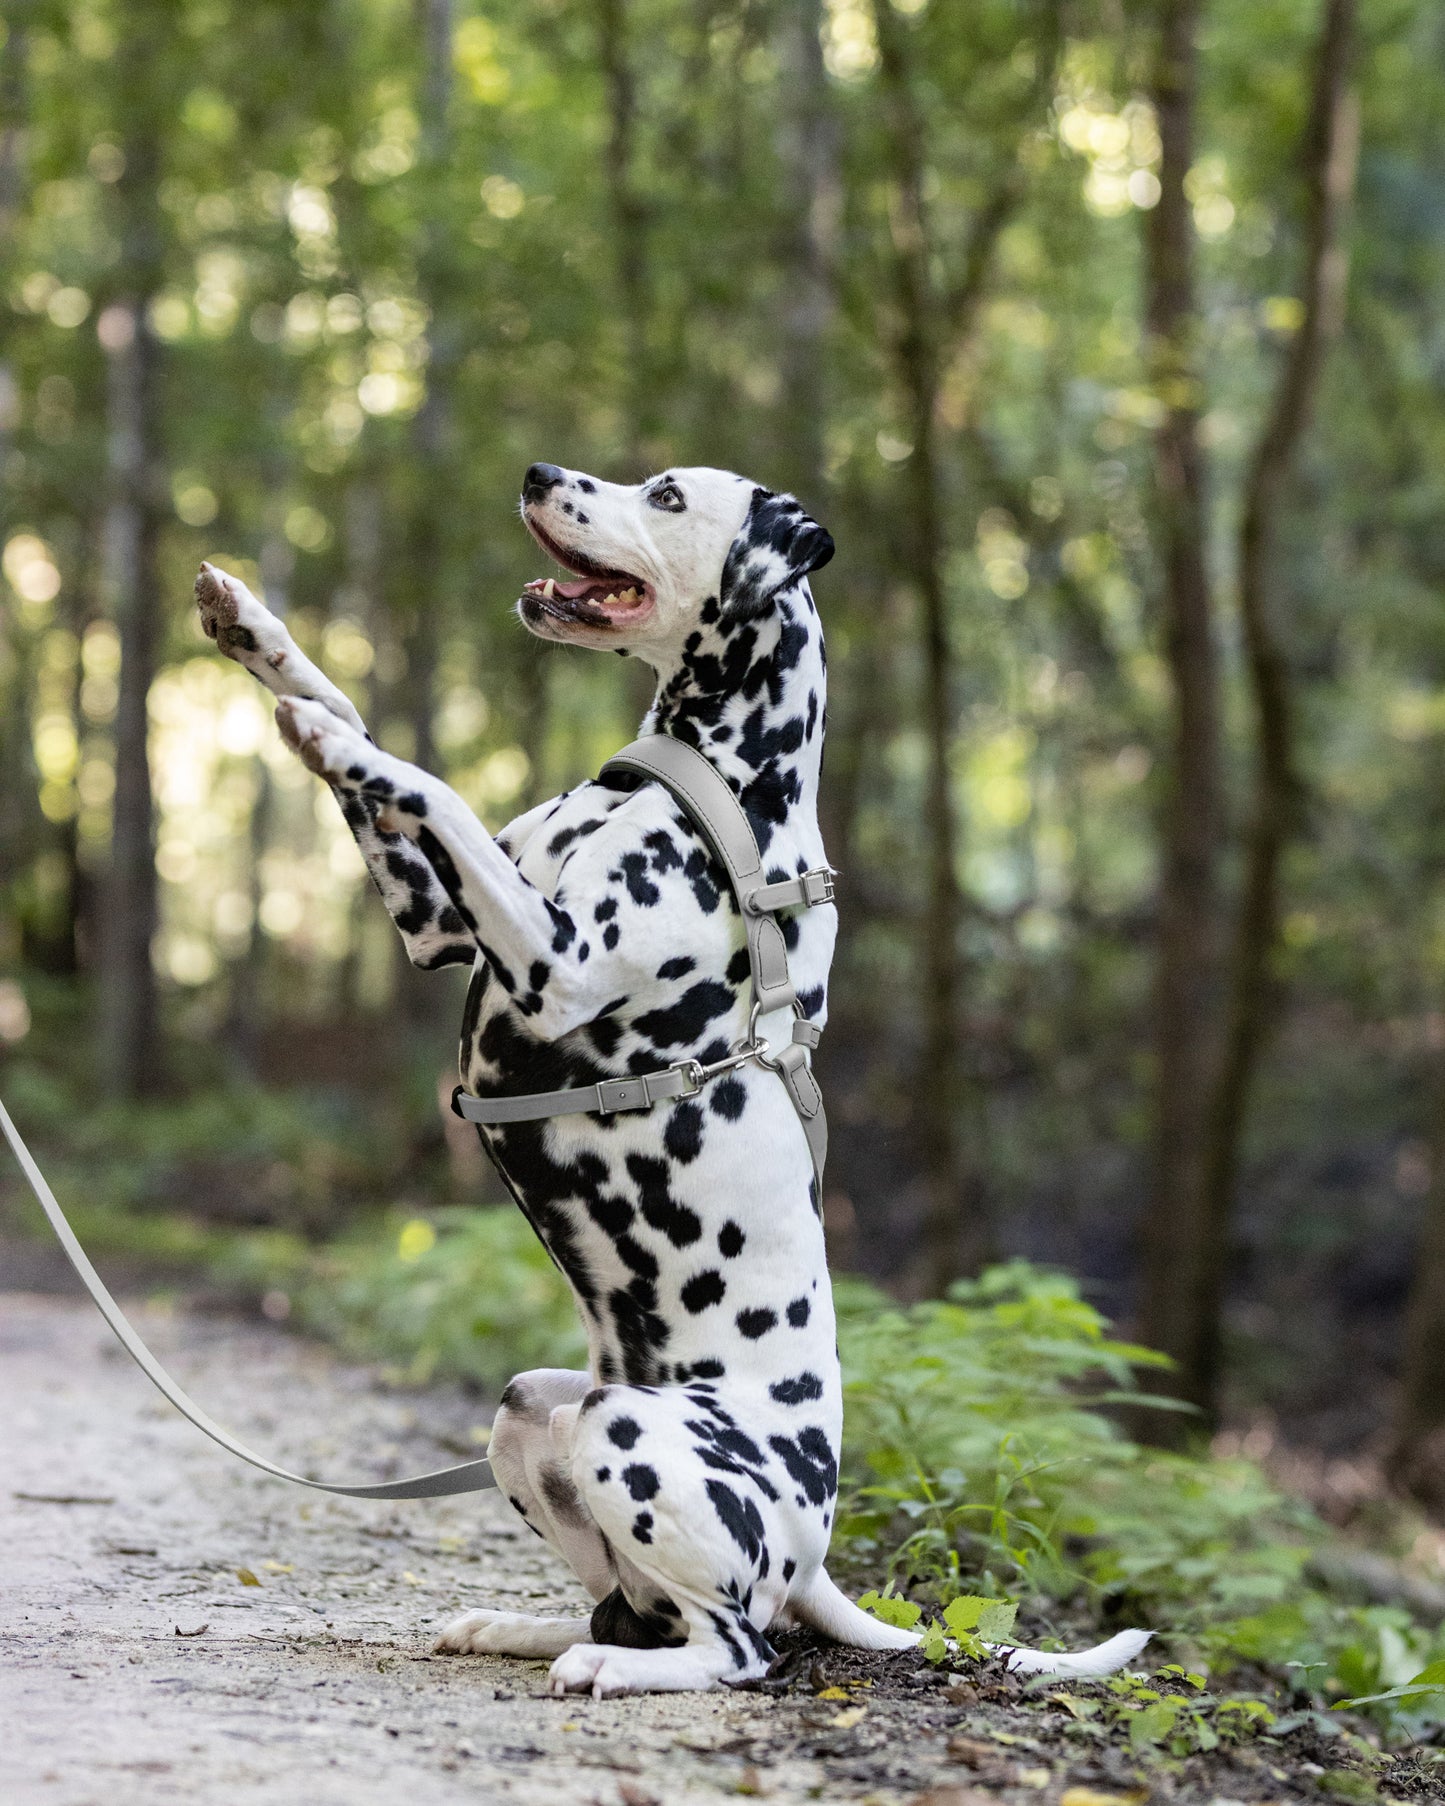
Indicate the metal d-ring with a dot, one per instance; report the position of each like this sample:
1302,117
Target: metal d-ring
757,1048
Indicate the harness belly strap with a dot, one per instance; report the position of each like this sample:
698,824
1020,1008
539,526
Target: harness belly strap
709,802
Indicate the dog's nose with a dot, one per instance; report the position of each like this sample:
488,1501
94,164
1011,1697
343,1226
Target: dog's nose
539,479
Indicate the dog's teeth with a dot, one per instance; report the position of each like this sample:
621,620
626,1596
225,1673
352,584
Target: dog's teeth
629,596
549,588
607,599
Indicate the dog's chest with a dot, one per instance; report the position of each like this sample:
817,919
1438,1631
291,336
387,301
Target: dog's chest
683,1228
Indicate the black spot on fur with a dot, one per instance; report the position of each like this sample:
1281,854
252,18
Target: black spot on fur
703,1290
756,1322
684,1022
623,1432
640,1480
683,1135
739,1516
798,1312
729,1098
730,1240
798,1391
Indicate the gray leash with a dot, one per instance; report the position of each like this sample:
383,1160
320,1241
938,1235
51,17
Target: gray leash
470,1476
708,800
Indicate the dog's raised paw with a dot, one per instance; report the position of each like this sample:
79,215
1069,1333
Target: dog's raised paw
322,743
231,616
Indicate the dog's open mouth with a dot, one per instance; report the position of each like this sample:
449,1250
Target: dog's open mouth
601,597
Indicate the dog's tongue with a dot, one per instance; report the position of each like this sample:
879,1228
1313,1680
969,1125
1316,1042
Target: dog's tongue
583,586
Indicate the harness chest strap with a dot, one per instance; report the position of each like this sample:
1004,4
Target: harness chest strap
710,803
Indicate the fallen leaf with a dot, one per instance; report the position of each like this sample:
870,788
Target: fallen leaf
1091,1796
973,1751
411,1579
279,1567
247,1578
833,1693
961,1694
199,1631
844,1721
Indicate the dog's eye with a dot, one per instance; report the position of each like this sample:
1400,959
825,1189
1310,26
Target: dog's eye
669,496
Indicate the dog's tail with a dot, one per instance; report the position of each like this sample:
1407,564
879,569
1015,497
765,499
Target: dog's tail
823,1608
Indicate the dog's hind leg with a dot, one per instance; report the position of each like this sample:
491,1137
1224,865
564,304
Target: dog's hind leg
529,1451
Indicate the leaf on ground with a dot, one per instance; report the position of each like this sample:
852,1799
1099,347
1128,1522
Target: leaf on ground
247,1578
199,1631
844,1721
1093,1796
832,1693
279,1567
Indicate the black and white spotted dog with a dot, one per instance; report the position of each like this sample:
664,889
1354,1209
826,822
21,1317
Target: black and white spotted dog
689,1476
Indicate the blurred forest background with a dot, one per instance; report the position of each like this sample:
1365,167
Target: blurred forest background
1105,336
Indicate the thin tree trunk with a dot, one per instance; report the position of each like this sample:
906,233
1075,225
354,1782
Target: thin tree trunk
1416,1460
935,320
131,1052
954,1239
18,805
426,563
1330,153
629,223
1178,1254
808,154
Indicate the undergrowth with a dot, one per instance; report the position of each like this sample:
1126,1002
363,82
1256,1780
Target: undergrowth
982,1461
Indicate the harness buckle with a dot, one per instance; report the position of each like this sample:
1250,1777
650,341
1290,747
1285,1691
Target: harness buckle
818,885
622,1094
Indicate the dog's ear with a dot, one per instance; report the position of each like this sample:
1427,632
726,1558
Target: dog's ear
778,543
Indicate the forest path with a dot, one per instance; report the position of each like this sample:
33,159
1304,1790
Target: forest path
137,1664
122,1529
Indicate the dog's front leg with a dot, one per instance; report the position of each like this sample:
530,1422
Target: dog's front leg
531,945
246,631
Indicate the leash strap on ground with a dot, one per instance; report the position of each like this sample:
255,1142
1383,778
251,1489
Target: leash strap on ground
470,1476
707,799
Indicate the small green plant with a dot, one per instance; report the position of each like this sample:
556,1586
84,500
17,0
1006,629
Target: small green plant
969,1623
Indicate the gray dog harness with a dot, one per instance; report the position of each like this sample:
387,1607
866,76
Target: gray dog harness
709,802
705,795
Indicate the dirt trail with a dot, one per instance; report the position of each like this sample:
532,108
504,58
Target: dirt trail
175,1625
313,1685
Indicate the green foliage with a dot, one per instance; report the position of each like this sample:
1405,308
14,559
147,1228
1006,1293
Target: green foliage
470,1294
975,1449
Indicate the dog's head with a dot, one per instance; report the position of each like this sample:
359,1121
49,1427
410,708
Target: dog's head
651,561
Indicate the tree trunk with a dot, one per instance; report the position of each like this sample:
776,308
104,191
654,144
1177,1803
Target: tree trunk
954,1237
1329,158
426,542
1416,1461
807,141
1179,1257
629,225
130,1045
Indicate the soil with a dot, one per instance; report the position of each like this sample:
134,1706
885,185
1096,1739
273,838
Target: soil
178,1626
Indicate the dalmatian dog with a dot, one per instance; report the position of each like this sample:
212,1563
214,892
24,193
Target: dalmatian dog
689,1476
